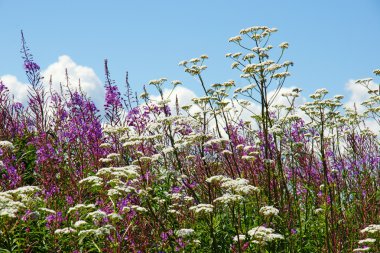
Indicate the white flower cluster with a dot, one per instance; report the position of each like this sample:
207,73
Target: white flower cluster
202,208
262,235
47,210
92,180
239,238
235,39
215,179
158,81
6,144
81,208
228,198
367,241
361,249
185,232
128,172
105,145
13,201
64,231
8,207
373,228
219,141
234,188
27,190
238,185
80,223
136,208
102,231
269,211
96,215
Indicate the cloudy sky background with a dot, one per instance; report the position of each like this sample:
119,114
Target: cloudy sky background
332,43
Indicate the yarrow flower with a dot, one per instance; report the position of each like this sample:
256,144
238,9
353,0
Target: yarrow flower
63,231
284,45
373,228
79,223
228,198
235,39
361,249
239,238
97,215
367,240
6,144
262,235
184,232
269,211
202,208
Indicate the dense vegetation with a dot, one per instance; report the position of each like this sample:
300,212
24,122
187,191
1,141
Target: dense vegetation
159,176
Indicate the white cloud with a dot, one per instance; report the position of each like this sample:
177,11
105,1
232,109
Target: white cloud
183,94
16,88
358,94
89,81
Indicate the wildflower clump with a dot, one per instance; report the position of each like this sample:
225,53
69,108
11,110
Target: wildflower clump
250,165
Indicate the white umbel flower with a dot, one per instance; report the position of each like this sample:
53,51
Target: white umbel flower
367,240
373,228
64,231
269,211
202,208
6,144
239,238
184,232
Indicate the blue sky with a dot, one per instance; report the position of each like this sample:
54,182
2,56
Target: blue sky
331,42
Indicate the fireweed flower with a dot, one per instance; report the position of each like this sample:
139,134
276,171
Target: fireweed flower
239,185
31,66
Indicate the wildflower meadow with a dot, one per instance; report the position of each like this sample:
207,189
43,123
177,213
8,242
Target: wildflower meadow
233,171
